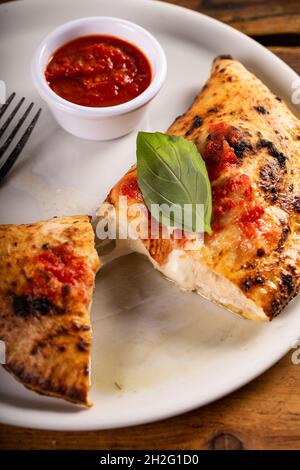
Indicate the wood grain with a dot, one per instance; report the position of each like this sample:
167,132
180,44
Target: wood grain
266,413
290,55
253,17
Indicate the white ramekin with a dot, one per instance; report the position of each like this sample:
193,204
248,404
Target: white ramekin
107,122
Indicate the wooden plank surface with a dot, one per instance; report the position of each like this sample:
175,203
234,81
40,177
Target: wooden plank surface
262,415
290,55
253,17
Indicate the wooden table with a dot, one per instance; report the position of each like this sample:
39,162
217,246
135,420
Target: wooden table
262,415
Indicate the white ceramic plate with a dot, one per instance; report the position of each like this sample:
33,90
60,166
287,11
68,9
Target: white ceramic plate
157,352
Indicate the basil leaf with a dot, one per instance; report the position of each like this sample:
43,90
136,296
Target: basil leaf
171,172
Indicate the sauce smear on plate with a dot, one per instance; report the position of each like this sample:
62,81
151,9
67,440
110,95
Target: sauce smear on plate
98,71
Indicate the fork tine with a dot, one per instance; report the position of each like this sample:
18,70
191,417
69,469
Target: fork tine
15,130
10,117
5,105
18,148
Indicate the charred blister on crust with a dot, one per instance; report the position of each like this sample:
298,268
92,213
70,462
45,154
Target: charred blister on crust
246,285
252,281
43,306
83,346
269,179
273,151
261,109
80,327
24,306
287,284
260,252
259,280
197,122
283,237
235,139
240,147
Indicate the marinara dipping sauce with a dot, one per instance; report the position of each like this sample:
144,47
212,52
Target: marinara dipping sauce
98,71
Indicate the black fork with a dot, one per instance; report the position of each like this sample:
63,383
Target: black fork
14,154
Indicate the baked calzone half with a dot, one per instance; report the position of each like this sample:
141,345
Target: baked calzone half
47,273
250,142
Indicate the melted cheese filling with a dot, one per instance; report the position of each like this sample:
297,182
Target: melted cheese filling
192,275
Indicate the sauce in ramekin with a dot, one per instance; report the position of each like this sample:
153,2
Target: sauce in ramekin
98,71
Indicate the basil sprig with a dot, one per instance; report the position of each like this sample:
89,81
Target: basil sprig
171,172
